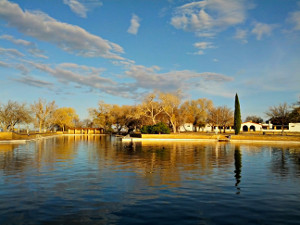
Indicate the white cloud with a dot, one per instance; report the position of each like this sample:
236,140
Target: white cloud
4,64
32,81
204,45
134,24
149,78
79,75
32,48
76,7
67,37
10,52
294,18
241,34
80,7
201,46
208,17
16,41
262,29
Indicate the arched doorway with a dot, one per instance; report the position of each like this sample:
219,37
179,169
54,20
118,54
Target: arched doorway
245,128
252,128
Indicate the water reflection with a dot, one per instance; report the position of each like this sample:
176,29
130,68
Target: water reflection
238,167
166,158
285,161
98,180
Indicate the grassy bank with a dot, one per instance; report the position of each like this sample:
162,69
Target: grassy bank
244,136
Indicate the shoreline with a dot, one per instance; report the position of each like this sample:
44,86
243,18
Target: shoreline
253,138
24,141
217,138
208,140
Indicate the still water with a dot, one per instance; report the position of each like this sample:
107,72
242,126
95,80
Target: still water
99,180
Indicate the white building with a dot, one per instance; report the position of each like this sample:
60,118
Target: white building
295,127
189,127
251,126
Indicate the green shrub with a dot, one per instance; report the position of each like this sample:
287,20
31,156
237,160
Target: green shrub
159,128
146,129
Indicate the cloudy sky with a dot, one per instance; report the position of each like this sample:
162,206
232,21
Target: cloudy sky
78,52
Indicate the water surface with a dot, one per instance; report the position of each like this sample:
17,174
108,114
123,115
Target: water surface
99,180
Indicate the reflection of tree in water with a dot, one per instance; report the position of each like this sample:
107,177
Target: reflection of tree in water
238,166
17,158
13,160
171,162
285,161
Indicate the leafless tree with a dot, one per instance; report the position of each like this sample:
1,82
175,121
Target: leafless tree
170,105
13,113
225,116
196,111
279,113
43,112
151,108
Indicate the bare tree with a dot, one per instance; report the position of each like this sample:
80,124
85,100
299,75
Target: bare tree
196,111
151,108
294,116
13,113
225,116
43,113
213,117
220,116
170,105
279,113
255,119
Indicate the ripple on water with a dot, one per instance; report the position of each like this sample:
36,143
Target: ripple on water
69,181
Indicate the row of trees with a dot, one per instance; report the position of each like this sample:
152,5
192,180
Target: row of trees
167,108
44,115
157,107
282,115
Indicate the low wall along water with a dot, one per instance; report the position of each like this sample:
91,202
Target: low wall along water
17,136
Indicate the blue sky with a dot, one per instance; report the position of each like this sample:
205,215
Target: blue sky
78,52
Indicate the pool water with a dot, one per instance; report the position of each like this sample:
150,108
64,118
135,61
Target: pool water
100,180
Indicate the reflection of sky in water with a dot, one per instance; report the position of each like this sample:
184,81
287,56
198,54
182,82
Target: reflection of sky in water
98,181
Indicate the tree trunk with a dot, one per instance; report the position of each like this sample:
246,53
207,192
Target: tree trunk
174,127
40,127
153,121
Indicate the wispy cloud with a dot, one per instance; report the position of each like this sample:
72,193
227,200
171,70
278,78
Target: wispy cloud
134,25
201,46
64,75
32,81
32,48
149,78
82,7
208,17
263,29
294,19
10,52
4,64
135,79
67,37
241,35
76,7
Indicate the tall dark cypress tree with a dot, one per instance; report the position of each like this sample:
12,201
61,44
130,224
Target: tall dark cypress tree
237,115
